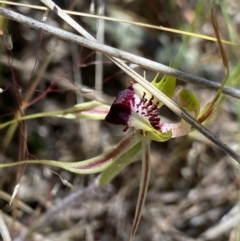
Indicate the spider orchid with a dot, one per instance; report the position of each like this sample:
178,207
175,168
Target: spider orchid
136,108
133,108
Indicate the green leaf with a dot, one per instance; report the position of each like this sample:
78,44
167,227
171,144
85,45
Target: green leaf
116,167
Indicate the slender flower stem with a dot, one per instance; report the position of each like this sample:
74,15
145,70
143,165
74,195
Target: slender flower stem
145,176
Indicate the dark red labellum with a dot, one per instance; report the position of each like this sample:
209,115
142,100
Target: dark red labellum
120,110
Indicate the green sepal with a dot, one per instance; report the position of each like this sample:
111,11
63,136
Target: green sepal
189,102
92,110
93,165
167,84
89,110
156,135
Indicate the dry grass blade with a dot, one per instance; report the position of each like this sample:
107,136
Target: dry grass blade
181,32
20,204
4,230
143,62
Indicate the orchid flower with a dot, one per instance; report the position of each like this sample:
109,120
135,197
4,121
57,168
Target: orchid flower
133,108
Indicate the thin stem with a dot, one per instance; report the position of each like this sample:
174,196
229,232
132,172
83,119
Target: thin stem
144,181
99,56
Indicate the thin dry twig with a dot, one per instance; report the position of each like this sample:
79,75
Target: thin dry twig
67,202
143,62
19,227
221,228
48,217
145,25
